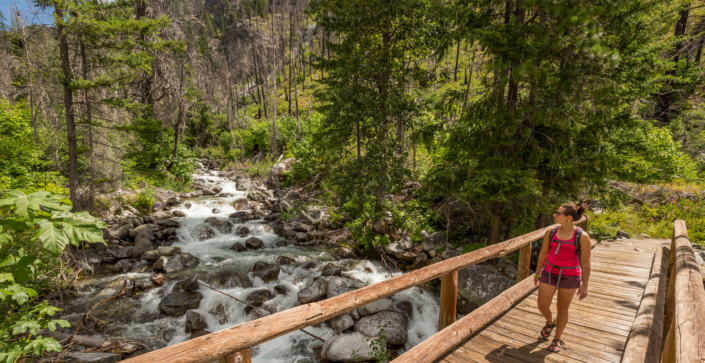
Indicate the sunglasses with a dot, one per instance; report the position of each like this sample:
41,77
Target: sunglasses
557,213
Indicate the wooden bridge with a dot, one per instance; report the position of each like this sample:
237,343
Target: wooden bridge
643,306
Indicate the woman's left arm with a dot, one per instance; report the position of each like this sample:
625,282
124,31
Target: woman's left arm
585,251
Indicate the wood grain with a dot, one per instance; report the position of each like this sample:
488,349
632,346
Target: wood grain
449,300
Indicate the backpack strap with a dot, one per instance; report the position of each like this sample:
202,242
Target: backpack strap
554,230
578,235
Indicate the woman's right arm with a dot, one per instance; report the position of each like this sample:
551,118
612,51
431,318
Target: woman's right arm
542,257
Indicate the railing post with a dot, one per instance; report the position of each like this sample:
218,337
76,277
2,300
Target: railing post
670,295
449,300
242,356
524,262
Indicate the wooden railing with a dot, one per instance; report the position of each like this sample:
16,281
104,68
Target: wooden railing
232,344
684,324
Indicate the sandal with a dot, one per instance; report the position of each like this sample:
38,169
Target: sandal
556,346
548,329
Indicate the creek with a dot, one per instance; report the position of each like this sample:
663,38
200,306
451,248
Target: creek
138,317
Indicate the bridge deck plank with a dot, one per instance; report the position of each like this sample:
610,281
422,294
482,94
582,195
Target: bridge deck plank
597,329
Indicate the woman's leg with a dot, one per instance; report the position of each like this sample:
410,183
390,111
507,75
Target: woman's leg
546,293
565,296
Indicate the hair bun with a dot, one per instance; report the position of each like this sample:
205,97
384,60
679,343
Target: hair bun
581,208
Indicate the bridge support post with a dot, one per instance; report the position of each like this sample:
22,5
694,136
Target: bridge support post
449,300
524,266
242,356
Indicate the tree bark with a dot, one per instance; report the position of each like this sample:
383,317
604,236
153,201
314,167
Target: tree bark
496,228
665,97
89,121
29,79
66,78
457,57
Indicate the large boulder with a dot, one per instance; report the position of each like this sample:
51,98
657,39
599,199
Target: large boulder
122,266
266,271
178,262
341,285
392,323
180,214
121,252
259,297
331,270
238,247
169,250
353,347
284,260
281,207
313,292
243,184
141,228
162,215
376,306
395,249
480,284
435,241
187,284
177,303
420,261
277,175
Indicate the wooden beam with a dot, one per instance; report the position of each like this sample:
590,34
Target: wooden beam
644,342
211,347
439,344
242,356
449,300
685,341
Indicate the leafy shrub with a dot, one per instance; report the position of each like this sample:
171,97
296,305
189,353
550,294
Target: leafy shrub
26,219
144,200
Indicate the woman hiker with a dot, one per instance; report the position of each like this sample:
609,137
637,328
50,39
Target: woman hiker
566,268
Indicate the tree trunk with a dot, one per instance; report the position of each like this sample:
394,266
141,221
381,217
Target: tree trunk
296,102
29,79
496,228
457,56
291,51
665,97
469,81
66,78
89,121
513,89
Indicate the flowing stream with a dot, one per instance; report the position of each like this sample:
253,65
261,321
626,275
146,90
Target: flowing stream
140,314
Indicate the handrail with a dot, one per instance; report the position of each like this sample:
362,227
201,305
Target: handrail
685,303
229,341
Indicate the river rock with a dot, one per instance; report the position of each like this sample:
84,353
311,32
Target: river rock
120,252
122,266
376,306
331,270
254,243
313,292
434,241
162,215
193,194
180,214
205,233
238,247
242,215
284,260
243,184
432,253
187,284
168,223
353,347
241,204
224,227
168,250
434,260
180,262
420,261
272,217
622,234
341,285
480,284
405,307
121,231
194,321
177,303
355,314
151,255
227,279
299,227
143,243
173,201
158,279
393,323
266,271
281,207
343,252
281,290
91,358
395,250
450,253
141,228
277,175
511,271
341,323
259,297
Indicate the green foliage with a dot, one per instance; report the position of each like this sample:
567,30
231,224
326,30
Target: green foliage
413,217
144,200
379,346
27,219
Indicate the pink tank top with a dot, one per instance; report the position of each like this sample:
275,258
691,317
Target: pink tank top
566,257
